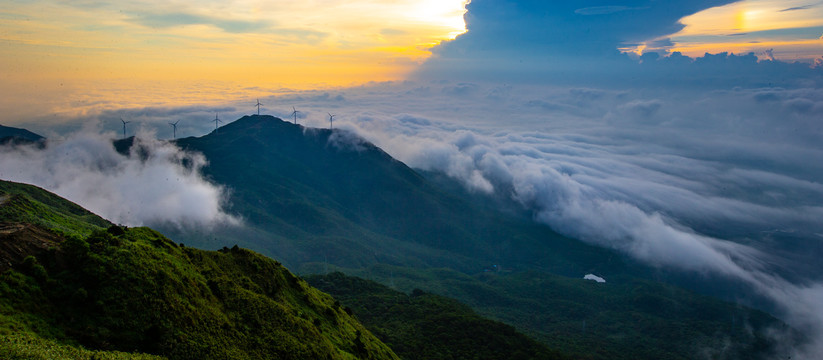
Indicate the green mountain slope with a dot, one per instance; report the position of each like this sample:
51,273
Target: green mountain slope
133,290
428,326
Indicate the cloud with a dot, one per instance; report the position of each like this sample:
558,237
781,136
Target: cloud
796,8
161,185
346,140
769,54
513,35
594,277
641,109
167,20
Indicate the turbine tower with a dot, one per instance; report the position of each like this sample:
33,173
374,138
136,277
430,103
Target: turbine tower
216,121
331,121
174,125
258,106
124,127
294,113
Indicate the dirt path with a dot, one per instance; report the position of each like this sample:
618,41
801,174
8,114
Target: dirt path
18,240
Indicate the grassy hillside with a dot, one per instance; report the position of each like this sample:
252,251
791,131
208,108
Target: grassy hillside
133,290
428,326
29,204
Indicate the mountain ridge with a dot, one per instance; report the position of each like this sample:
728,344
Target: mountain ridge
320,183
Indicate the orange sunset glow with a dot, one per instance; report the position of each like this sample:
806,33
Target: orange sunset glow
79,48
791,30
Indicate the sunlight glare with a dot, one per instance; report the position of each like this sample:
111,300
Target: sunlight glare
449,14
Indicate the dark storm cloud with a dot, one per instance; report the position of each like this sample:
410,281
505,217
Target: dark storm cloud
576,43
529,35
547,26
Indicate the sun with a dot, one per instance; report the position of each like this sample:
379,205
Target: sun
746,20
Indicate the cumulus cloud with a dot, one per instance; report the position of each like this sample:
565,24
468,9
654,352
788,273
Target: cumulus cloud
157,183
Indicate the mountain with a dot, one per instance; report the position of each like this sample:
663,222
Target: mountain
428,326
70,281
322,200
17,136
322,196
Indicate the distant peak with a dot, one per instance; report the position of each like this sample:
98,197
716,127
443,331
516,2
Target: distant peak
8,131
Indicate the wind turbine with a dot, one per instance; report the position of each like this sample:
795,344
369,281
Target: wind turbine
294,113
124,127
216,120
258,106
174,125
331,121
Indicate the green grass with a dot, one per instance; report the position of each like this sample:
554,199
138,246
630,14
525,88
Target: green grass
29,204
32,347
140,291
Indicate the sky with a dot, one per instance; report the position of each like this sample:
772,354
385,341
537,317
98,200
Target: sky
74,58
639,125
